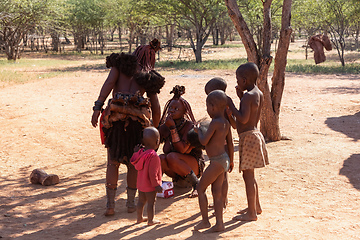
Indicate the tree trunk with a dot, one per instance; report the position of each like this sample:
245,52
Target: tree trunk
215,34
55,41
242,28
119,29
272,131
171,37
198,55
339,44
357,38
269,119
130,40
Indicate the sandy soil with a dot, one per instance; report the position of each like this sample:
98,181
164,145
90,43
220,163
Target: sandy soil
310,190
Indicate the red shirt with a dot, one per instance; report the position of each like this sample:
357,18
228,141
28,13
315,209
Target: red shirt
149,169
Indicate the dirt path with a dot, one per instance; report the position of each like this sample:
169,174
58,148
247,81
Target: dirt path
310,190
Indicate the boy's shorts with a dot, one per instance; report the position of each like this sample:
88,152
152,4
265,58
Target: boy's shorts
252,150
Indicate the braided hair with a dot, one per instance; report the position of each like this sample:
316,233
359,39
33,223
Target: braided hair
151,81
178,91
125,63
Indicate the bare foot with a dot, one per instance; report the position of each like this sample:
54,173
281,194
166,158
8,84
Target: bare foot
217,228
202,225
194,194
245,217
141,220
109,212
150,223
246,209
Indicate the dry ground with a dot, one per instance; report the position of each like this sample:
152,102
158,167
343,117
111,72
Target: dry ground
310,190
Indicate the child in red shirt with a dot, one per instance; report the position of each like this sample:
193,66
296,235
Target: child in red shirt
148,165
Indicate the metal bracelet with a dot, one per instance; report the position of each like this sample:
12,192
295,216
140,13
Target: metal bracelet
98,105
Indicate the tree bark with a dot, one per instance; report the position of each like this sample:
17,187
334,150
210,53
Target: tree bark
278,80
242,28
269,119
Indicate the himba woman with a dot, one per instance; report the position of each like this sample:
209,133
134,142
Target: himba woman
128,112
181,160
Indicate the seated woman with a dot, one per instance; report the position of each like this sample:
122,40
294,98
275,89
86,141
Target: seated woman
180,160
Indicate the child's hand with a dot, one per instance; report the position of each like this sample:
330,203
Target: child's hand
138,147
239,93
231,167
158,189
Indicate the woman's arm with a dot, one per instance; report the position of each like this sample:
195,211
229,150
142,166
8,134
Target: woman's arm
109,84
180,143
155,109
107,87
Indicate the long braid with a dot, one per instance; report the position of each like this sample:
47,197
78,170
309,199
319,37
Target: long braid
178,91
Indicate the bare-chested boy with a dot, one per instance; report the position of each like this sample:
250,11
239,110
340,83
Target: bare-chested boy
220,161
148,164
218,83
252,149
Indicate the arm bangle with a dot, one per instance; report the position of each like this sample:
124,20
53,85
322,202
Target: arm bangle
174,136
98,105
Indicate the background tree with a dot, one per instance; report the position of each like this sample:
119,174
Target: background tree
269,120
307,18
223,28
55,24
84,17
164,15
115,17
337,16
199,16
196,18
17,17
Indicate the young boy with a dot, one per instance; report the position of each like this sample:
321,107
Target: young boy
213,139
218,83
148,164
252,149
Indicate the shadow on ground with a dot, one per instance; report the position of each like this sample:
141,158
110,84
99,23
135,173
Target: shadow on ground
351,169
348,125
33,211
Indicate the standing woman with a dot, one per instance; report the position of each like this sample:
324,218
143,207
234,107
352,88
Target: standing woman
180,160
124,118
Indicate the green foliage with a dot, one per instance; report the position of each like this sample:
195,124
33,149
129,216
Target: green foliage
308,16
12,72
352,68
294,66
204,65
17,17
7,76
85,13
